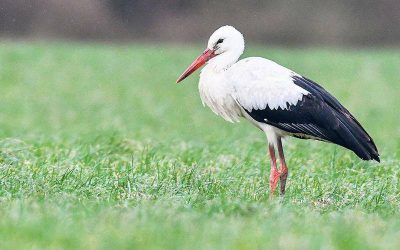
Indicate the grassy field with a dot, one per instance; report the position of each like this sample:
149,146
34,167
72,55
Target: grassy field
100,149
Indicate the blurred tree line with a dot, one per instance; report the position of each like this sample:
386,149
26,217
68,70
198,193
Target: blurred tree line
311,22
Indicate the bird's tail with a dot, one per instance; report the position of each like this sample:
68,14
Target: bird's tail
354,137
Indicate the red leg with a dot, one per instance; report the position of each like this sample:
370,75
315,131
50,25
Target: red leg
274,175
284,171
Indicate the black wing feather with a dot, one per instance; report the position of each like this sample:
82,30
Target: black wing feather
320,115
319,91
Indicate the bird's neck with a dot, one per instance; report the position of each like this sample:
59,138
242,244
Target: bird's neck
223,61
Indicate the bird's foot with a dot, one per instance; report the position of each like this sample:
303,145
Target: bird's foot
283,176
273,181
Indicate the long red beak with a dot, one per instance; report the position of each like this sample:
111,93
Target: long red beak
200,61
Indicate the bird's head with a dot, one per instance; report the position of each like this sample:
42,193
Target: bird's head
224,47
226,39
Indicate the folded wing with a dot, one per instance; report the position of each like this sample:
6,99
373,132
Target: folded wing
274,95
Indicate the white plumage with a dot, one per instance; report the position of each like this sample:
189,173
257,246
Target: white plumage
227,86
217,93
259,83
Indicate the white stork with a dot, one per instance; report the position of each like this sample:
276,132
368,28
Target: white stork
275,99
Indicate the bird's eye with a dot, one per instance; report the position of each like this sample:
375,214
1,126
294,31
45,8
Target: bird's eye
220,41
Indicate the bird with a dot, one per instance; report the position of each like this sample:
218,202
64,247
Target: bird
277,100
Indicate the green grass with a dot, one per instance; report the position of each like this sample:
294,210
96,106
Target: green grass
100,149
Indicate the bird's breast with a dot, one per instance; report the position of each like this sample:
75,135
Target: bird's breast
216,93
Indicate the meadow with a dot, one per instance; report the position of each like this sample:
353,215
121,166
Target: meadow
100,149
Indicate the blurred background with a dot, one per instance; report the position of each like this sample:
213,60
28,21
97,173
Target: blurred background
294,23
